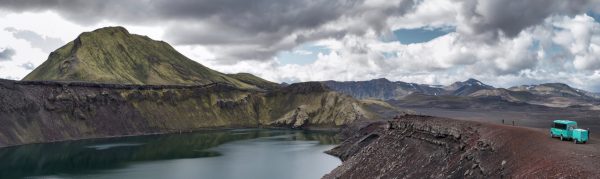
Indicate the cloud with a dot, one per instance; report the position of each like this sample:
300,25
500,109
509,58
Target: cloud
259,31
237,30
234,30
47,44
28,66
6,54
544,53
17,52
580,36
302,52
489,19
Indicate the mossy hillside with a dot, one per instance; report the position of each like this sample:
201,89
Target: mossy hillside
255,80
113,55
190,109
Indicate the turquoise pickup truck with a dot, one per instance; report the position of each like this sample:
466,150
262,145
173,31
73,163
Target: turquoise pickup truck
567,130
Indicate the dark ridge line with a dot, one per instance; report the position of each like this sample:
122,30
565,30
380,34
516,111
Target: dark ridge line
303,87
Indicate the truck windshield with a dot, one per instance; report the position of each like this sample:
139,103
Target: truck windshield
560,126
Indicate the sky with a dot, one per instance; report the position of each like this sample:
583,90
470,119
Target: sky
500,42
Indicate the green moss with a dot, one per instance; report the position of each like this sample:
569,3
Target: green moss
254,80
113,55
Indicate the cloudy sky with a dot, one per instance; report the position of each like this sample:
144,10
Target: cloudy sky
500,42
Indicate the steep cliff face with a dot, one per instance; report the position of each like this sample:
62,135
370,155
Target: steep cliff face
51,111
430,147
312,103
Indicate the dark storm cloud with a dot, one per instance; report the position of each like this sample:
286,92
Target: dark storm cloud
490,18
259,16
262,23
254,29
259,29
87,12
47,44
6,54
255,18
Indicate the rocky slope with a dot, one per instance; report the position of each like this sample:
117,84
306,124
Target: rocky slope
430,147
552,89
38,111
466,88
382,89
507,95
460,102
113,55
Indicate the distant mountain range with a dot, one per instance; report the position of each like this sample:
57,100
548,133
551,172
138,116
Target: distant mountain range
385,89
548,94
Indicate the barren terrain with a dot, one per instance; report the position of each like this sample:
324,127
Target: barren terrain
433,147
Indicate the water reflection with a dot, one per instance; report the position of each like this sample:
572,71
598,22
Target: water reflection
95,157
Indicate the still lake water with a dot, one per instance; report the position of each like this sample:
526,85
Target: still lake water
248,154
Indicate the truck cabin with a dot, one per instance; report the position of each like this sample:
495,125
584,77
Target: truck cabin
564,125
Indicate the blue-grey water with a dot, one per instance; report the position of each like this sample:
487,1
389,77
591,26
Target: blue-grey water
247,154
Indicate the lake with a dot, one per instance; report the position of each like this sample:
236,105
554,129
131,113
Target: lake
248,154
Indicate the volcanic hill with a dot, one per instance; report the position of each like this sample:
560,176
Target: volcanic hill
113,55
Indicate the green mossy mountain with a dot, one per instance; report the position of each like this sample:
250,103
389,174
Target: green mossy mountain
254,80
113,55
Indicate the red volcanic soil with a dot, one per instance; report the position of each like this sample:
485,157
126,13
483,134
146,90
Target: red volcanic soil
432,147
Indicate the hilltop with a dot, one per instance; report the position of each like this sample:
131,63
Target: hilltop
113,55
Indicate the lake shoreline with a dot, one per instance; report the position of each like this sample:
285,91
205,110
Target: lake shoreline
212,129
